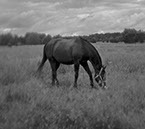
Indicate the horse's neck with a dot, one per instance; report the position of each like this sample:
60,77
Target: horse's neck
95,58
96,62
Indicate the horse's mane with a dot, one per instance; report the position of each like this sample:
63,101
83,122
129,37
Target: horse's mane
94,47
84,39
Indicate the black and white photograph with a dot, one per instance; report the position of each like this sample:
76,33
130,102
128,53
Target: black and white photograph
72,64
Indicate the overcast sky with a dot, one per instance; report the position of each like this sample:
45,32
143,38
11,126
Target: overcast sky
71,17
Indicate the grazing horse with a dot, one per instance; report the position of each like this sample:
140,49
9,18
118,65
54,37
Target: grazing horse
75,51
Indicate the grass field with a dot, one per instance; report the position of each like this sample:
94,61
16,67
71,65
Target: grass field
30,102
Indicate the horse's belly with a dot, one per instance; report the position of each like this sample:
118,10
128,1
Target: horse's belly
64,61
63,57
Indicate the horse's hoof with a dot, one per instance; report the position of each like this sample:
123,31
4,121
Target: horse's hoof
94,87
57,84
75,87
71,87
105,87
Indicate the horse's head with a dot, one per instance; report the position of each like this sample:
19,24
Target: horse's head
101,77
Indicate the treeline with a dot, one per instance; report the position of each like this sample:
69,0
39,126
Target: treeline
127,36
33,38
30,38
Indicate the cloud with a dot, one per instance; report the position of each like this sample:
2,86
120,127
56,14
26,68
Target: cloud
71,16
82,16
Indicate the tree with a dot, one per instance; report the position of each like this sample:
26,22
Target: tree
32,38
140,36
133,36
130,36
6,39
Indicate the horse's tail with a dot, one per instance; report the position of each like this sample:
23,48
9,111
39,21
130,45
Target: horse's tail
42,62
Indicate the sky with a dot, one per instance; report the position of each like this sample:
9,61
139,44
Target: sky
71,17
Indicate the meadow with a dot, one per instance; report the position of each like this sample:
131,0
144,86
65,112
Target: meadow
30,102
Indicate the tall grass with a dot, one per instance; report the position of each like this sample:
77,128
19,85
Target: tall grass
30,102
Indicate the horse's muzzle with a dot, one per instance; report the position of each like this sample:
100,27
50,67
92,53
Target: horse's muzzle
102,85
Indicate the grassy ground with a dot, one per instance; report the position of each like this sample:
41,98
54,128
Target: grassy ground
29,102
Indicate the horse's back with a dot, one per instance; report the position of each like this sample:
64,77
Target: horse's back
64,50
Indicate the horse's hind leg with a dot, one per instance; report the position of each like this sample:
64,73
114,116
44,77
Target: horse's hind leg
57,66
54,65
87,69
76,69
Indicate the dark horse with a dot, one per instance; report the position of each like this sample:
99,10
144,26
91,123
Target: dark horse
75,51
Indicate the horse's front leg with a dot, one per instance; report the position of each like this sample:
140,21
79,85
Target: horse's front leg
87,69
53,77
